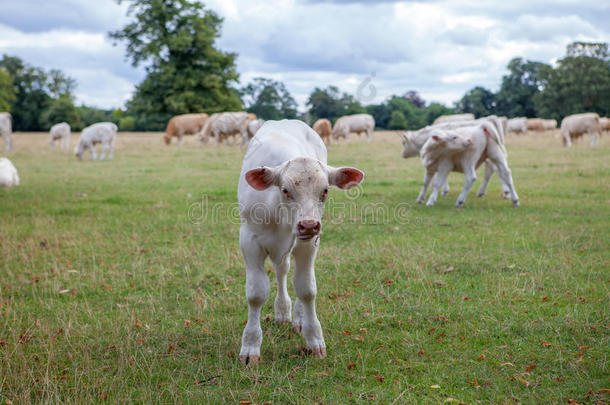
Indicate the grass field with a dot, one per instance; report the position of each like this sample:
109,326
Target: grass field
123,282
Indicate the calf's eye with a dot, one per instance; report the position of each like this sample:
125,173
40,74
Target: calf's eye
324,195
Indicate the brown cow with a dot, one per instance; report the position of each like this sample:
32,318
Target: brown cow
324,128
604,124
535,124
185,124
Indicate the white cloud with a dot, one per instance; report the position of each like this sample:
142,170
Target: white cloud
441,48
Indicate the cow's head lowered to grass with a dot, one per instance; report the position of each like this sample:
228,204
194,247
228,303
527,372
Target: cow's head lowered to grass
302,184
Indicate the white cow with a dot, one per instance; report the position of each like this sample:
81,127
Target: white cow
8,174
486,144
60,132
223,125
574,126
357,123
517,125
101,132
413,141
453,118
5,130
254,126
282,190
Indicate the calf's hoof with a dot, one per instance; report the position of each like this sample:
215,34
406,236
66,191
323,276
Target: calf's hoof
459,204
319,352
506,195
445,193
297,328
419,201
480,194
249,359
516,203
429,204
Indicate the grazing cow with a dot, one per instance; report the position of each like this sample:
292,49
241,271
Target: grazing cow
453,118
185,124
5,130
282,190
8,174
549,125
324,128
254,126
535,124
517,125
486,144
574,126
223,125
357,123
60,132
101,132
604,124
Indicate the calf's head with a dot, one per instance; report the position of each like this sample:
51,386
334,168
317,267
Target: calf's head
409,148
79,149
451,142
302,185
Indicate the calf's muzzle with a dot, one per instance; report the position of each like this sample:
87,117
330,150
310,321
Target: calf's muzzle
308,228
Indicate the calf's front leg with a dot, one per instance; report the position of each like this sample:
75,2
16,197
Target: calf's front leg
469,178
92,149
305,287
282,303
257,290
440,178
428,176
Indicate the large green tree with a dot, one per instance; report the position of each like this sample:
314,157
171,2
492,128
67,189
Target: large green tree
8,92
325,103
478,101
516,95
175,40
331,104
62,109
269,99
580,83
37,91
32,97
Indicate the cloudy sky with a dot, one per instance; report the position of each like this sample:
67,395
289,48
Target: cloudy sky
371,49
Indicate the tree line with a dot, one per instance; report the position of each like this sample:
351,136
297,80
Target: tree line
175,40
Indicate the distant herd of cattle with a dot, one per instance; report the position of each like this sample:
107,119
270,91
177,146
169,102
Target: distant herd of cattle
225,127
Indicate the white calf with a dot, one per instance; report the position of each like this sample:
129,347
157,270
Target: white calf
282,191
101,132
8,174
413,141
5,130
574,126
486,144
60,132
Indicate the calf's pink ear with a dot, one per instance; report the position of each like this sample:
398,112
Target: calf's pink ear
261,178
345,177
